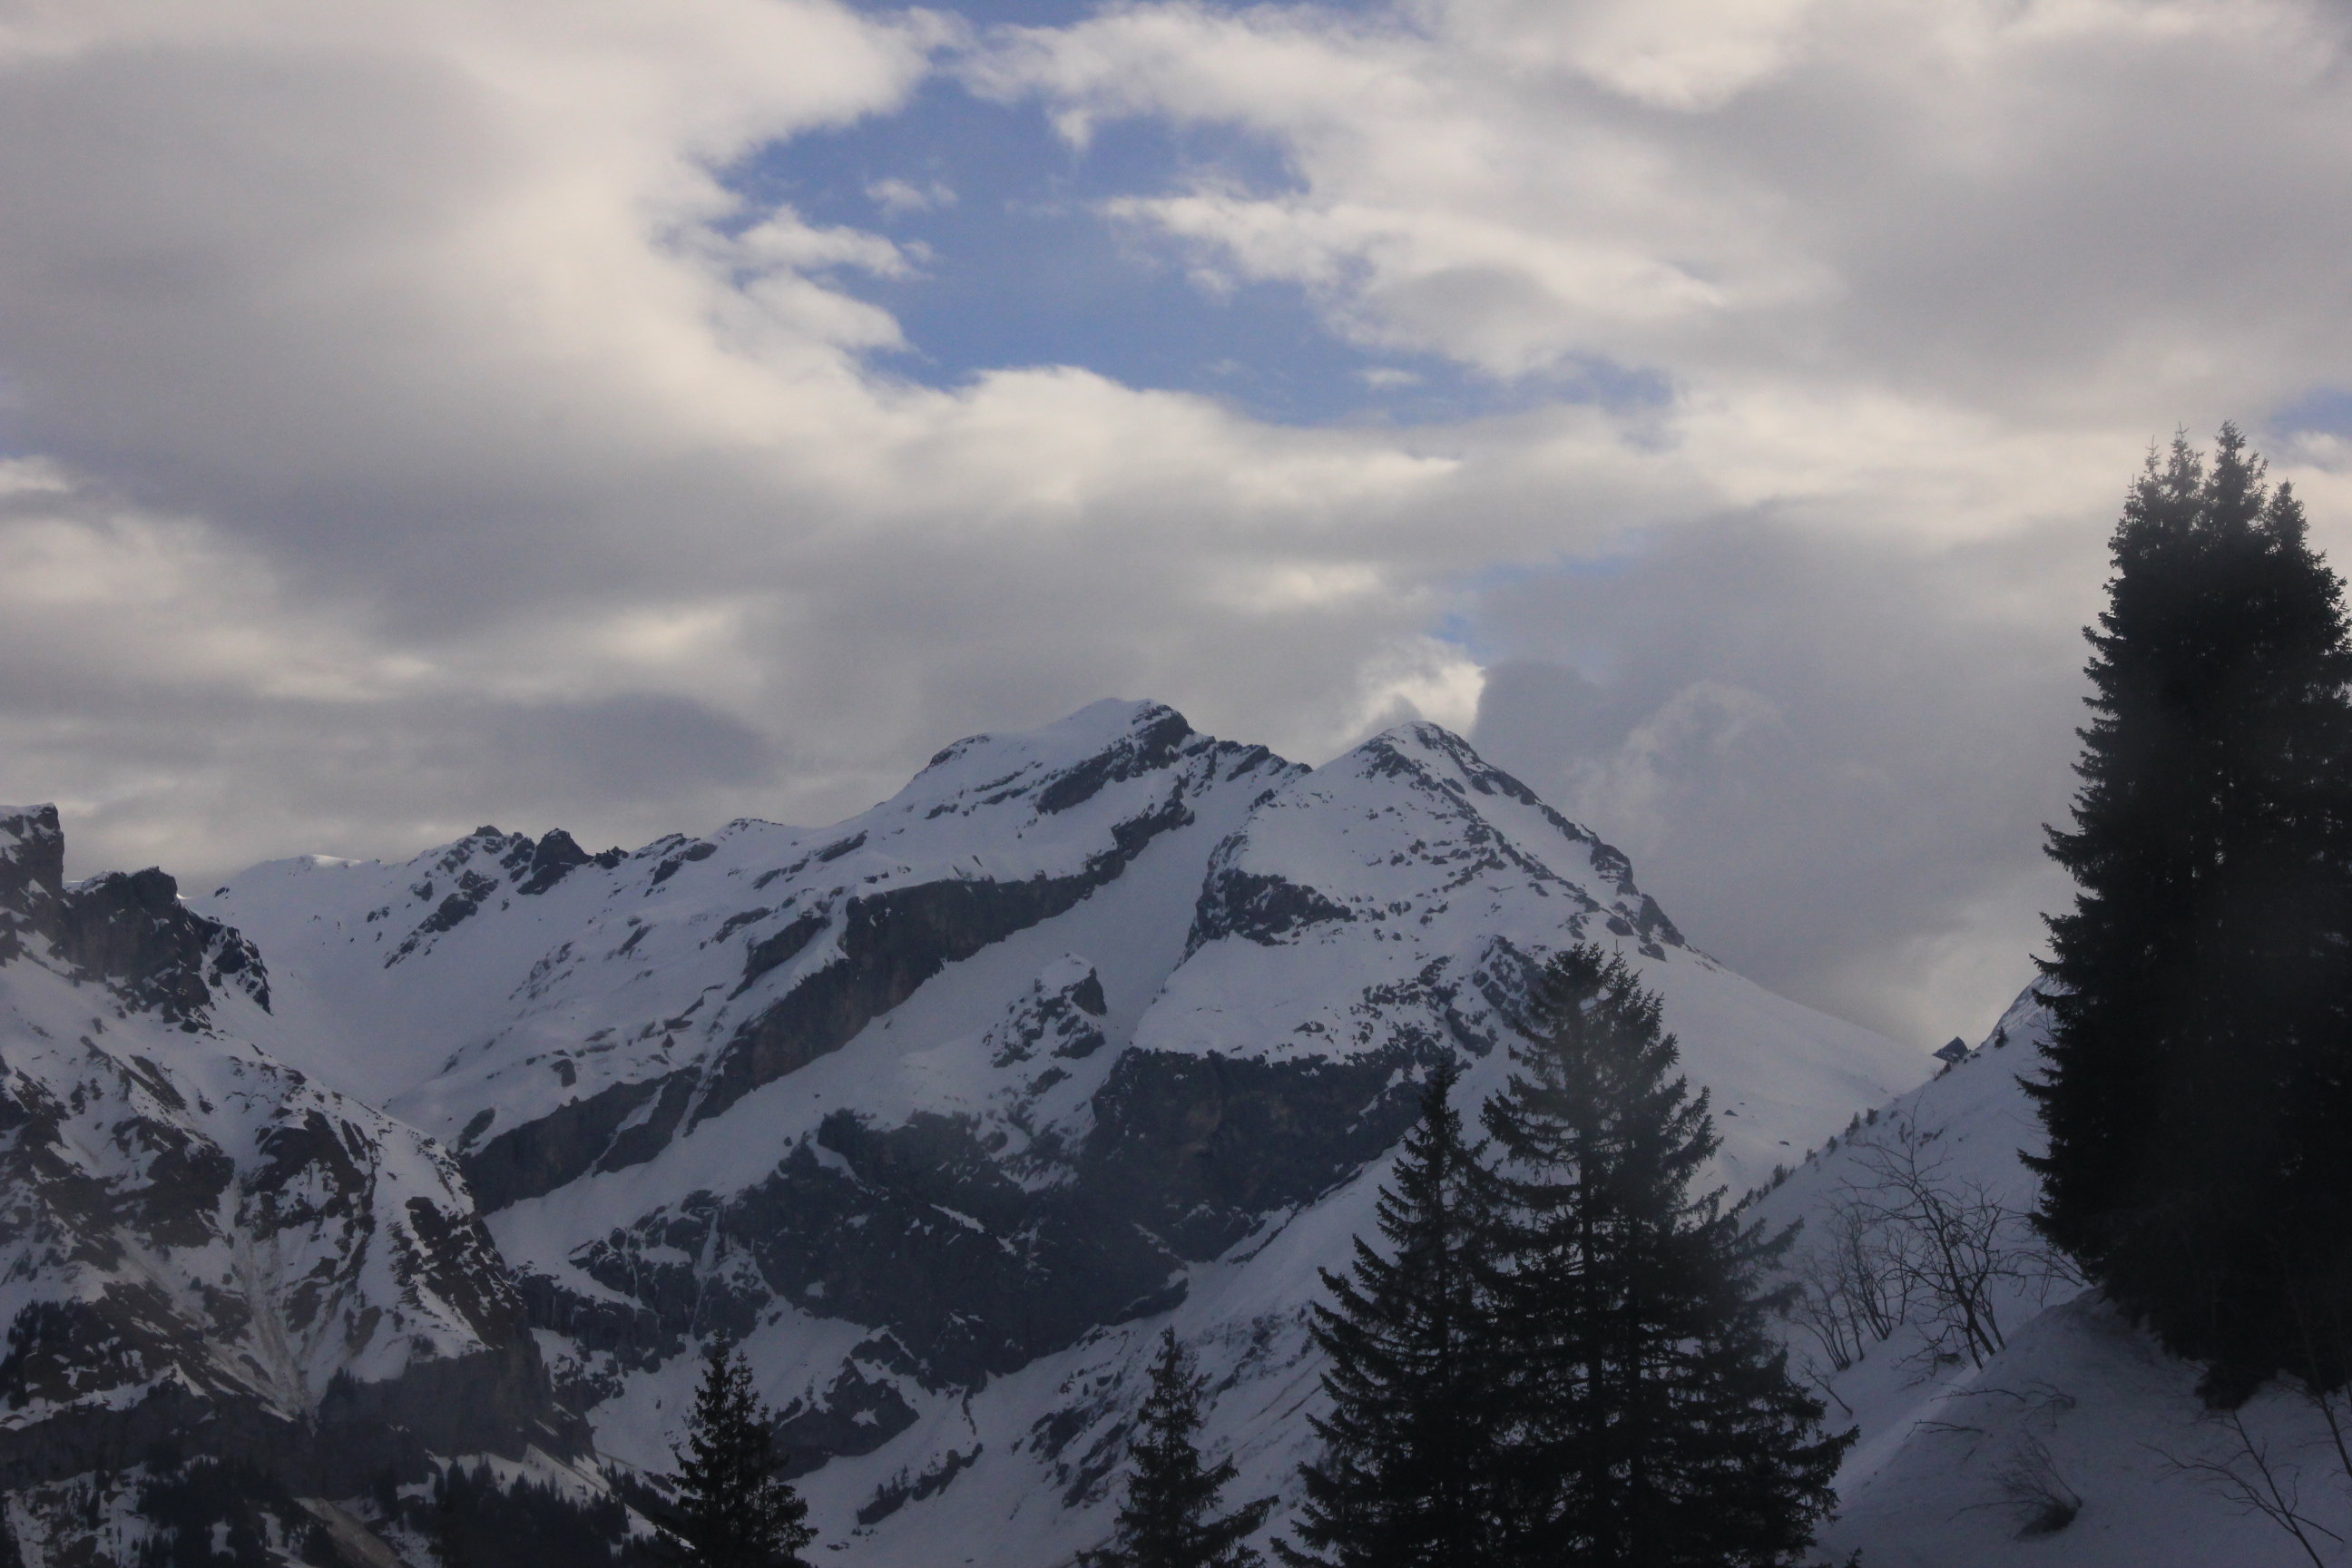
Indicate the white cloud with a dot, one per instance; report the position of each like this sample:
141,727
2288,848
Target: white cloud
1919,280
1426,679
2111,213
430,438
417,428
896,196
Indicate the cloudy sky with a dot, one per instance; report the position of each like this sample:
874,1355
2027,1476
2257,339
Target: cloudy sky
627,415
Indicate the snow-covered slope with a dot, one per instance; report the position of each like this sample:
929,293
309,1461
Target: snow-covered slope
945,1110
201,1246
1957,1459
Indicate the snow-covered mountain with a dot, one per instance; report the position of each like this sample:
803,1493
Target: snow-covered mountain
944,1111
200,1245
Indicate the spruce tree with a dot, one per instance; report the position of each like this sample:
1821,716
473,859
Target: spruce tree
1405,1478
732,1510
1651,1417
1169,1518
2195,1083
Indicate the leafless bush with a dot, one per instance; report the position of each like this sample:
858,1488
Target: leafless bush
1852,1287
2247,1475
2247,1470
1957,1246
2325,1331
1904,1240
2032,1492
2028,1487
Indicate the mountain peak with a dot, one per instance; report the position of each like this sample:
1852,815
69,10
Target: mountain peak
129,931
1054,1041
1099,728
32,851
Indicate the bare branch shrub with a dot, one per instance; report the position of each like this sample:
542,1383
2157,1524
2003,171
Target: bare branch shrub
1852,1289
2249,1477
2032,1492
1902,1240
1954,1242
2028,1487
2325,1334
2248,1473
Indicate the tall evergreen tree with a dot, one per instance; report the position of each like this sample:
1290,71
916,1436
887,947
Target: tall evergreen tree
1651,1418
1170,1517
2195,1084
733,1511
1406,1475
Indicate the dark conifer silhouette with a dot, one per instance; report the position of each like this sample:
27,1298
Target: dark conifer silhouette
2194,1091
1170,1517
1406,1475
733,1511
1652,1420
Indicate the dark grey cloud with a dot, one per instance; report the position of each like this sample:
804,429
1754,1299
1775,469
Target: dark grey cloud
1829,756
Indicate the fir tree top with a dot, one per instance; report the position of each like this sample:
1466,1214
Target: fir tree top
1650,1419
732,1510
1170,1517
1407,1477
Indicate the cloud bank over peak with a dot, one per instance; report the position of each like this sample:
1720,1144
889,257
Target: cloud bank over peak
414,416
1943,202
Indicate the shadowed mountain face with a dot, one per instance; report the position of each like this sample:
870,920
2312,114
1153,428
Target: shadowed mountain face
939,1111
200,1245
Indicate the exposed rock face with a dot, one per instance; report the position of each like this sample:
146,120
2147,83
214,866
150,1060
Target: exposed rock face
1198,1150
32,860
202,1247
132,933
129,932
914,1229
1062,1015
619,1125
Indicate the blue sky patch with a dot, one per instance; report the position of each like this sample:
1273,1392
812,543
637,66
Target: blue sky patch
1018,265
2323,410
